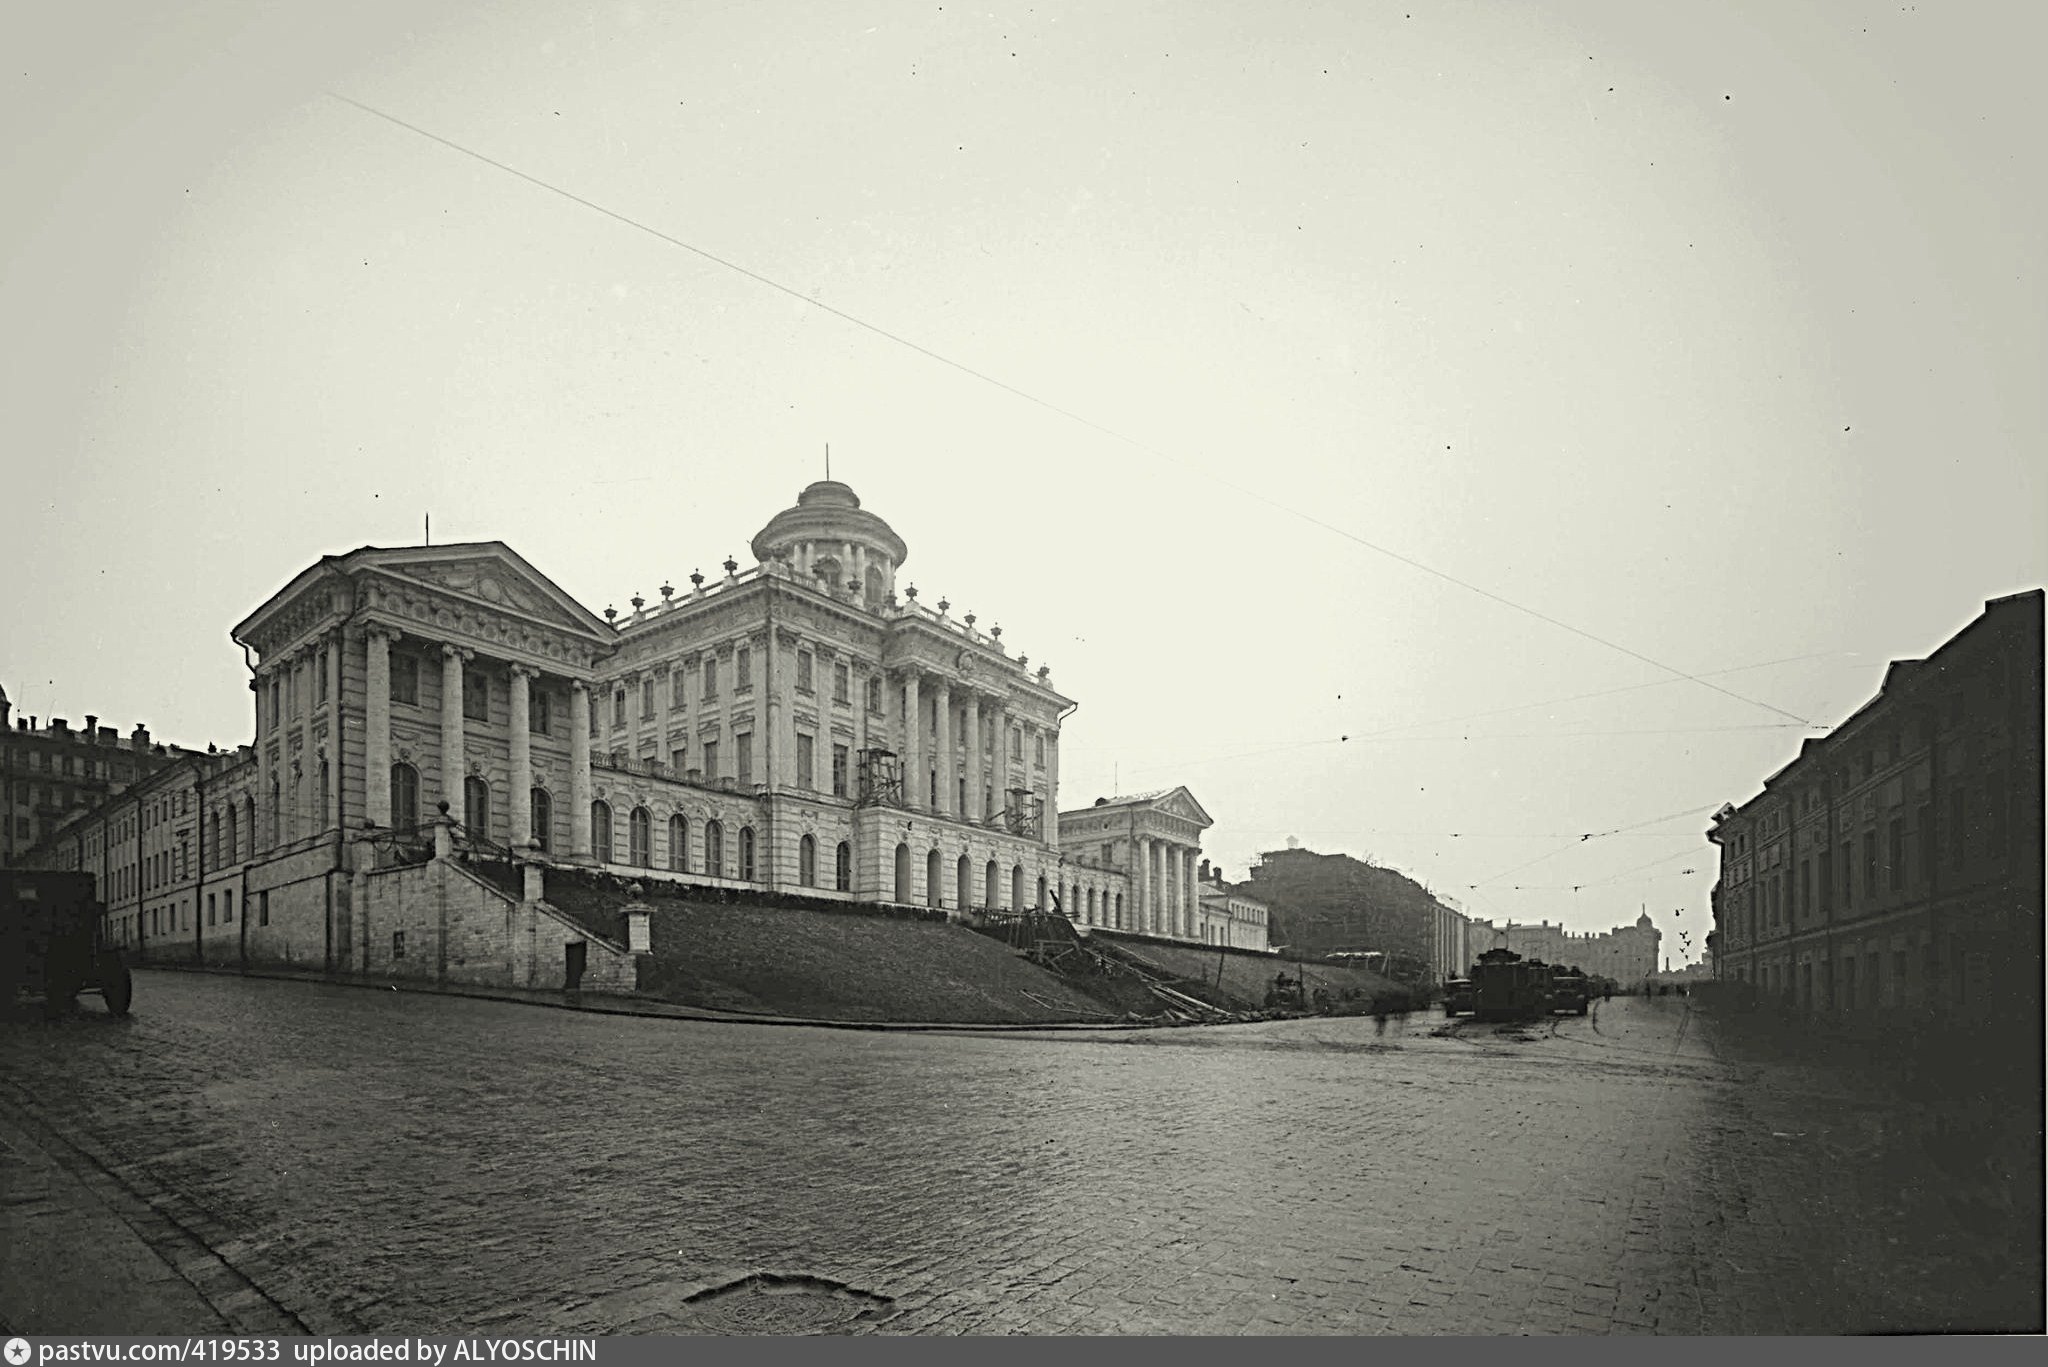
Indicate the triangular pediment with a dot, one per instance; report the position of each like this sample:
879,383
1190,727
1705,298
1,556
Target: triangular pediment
1181,803
491,575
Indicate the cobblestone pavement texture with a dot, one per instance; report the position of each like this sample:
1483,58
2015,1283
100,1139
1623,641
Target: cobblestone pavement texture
330,1159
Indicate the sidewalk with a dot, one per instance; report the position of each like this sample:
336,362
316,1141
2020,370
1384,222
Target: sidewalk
71,1265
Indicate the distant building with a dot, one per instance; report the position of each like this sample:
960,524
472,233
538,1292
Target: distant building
1141,851
1231,915
1332,903
1897,862
1627,954
50,773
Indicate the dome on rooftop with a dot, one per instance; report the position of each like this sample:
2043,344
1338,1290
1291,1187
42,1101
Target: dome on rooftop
829,539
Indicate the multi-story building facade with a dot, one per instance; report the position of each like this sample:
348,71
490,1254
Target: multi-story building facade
1333,903
1896,862
800,725
1626,954
50,773
1230,915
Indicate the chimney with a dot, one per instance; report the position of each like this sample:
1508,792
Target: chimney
1205,871
60,726
92,729
110,735
139,741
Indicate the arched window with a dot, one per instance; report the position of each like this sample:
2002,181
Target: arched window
1088,902
325,775
747,853
640,838
1017,887
903,873
213,843
807,862
229,839
843,871
277,812
932,882
1119,908
249,819
405,797
875,591
1041,893
476,806
714,849
963,884
541,824
601,831
990,883
679,843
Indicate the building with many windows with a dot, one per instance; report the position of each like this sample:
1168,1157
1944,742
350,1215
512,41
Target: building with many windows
804,725
1627,955
1897,862
50,773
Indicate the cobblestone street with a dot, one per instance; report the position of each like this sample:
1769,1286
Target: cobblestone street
337,1159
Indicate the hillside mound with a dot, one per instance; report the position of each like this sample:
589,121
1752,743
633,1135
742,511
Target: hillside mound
1243,976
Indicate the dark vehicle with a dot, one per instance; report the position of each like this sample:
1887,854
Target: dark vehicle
1505,986
1571,992
50,946
1458,997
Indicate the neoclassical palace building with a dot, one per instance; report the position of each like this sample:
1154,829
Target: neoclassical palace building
802,725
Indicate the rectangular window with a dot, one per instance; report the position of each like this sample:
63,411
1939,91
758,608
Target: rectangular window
276,703
803,671
593,720
1824,879
476,696
405,679
1870,862
1017,744
647,696
875,693
320,678
710,676
679,761
263,908
618,707
745,743
209,908
743,670
1038,760
227,906
676,689
1848,878
1923,818
806,772
711,760
540,712
842,683
1805,903
1895,843
398,944
839,759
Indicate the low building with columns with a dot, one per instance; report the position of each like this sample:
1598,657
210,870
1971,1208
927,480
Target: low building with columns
802,725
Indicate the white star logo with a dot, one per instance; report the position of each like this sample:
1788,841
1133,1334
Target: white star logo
17,1351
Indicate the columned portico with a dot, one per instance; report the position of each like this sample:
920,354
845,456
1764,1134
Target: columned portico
1141,917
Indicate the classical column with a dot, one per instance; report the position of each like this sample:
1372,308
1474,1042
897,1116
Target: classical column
1141,859
1002,778
974,809
916,783
1194,888
579,770
452,765
942,712
377,727
781,760
727,696
1052,787
337,752
519,802
1169,891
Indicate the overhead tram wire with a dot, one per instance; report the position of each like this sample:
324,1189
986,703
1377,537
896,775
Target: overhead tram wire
1054,408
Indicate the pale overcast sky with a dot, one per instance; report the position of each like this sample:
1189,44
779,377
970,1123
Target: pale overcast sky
1714,331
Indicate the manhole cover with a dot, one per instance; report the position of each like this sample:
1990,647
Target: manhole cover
768,1303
